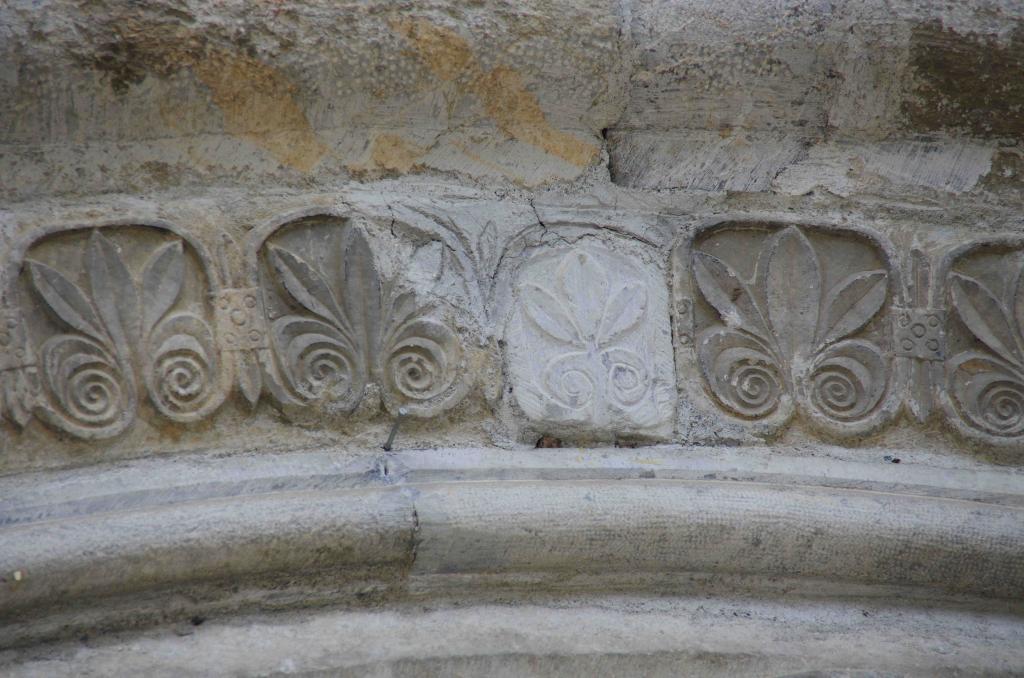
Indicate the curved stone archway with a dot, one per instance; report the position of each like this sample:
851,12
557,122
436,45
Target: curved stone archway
590,337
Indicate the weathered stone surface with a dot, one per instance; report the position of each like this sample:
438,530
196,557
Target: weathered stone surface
293,93
588,343
794,322
775,246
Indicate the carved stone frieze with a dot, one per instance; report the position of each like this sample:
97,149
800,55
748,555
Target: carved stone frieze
340,328
588,343
114,315
789,318
344,313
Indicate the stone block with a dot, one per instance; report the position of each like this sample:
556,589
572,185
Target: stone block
588,343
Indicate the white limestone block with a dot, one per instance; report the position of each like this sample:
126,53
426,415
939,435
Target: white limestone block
588,344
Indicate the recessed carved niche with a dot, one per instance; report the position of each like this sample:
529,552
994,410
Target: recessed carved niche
346,326
777,319
588,342
110,318
983,387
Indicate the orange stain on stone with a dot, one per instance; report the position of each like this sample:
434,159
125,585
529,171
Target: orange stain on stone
258,104
390,153
257,101
514,109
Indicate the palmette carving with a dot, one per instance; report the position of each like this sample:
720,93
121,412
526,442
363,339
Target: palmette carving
355,328
584,347
119,332
785,340
986,384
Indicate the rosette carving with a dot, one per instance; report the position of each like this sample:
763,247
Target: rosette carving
119,332
786,340
353,328
986,384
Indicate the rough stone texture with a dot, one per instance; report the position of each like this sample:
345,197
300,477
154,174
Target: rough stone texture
777,247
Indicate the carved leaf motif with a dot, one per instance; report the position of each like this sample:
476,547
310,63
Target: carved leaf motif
305,284
585,284
66,300
550,315
729,295
18,390
250,376
362,290
361,330
793,290
985,316
114,293
851,304
162,278
622,312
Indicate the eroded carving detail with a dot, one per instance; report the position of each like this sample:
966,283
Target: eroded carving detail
120,331
352,328
784,338
986,381
19,376
595,362
240,319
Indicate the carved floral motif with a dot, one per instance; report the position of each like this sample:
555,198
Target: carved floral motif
353,328
987,383
118,332
785,338
596,361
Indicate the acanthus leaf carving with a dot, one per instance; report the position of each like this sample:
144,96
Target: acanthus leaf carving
792,288
551,316
114,296
729,295
65,299
852,304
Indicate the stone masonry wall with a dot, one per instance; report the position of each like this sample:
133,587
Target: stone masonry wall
288,224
